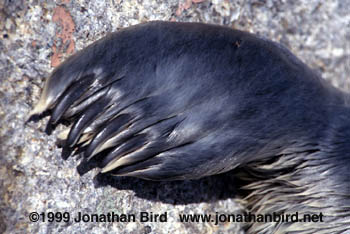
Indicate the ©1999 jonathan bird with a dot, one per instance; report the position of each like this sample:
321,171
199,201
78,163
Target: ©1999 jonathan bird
175,101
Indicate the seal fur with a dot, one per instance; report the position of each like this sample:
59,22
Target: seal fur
170,101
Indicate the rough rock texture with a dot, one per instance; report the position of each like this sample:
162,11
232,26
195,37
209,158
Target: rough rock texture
35,35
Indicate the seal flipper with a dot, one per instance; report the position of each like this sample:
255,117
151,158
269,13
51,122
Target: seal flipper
85,119
171,164
68,98
221,87
156,140
108,129
111,131
60,79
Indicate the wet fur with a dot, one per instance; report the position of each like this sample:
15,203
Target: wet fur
169,101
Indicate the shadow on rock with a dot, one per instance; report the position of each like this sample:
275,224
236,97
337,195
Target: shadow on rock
208,189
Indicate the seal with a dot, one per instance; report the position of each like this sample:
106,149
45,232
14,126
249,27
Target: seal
175,101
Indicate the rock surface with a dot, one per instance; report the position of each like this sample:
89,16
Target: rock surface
36,35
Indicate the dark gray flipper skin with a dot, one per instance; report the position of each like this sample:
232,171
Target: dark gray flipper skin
203,99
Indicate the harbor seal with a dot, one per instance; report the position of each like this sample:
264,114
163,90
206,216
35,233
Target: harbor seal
175,101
